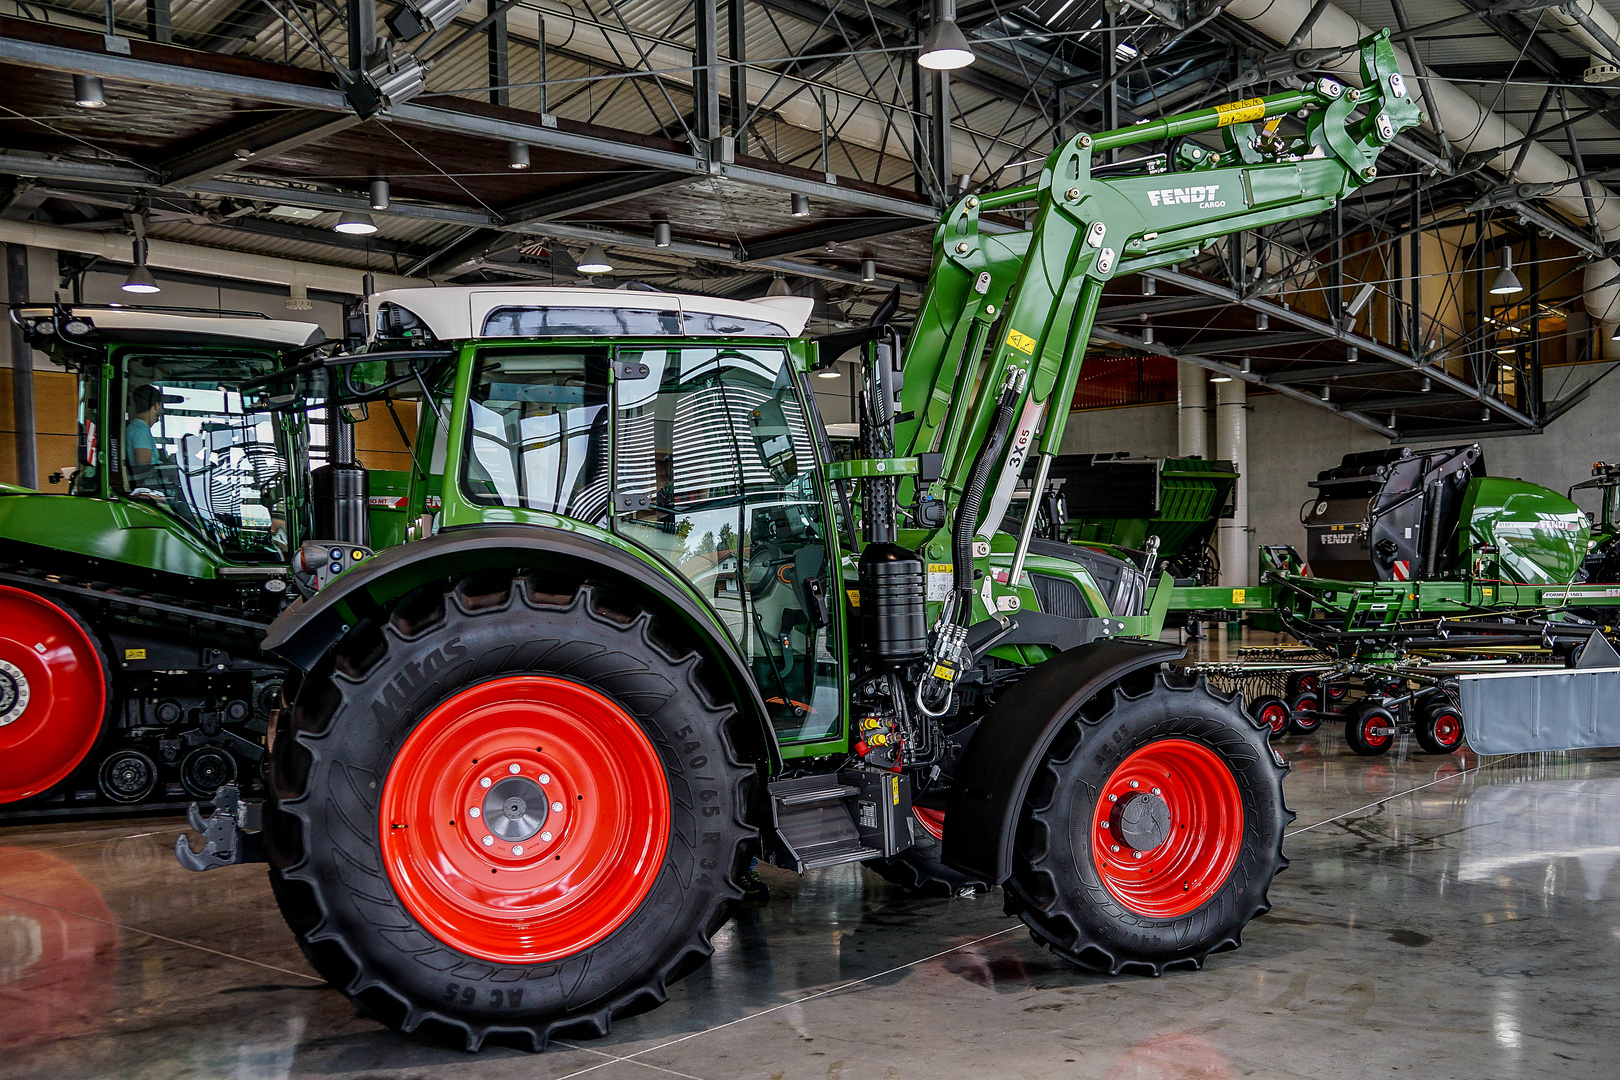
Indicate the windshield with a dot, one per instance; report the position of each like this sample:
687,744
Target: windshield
191,445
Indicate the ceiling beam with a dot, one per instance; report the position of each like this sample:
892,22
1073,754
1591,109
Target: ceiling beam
1328,372
839,231
602,191
223,153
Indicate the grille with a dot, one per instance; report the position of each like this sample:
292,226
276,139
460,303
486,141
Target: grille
1060,597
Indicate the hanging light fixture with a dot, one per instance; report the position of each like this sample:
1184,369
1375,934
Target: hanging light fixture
1150,286
1425,384
945,47
1485,414
868,270
1327,393
779,286
1351,354
661,235
594,261
379,194
517,155
828,373
801,205
1506,281
1248,365
1391,424
355,223
88,93
140,279
298,297
1222,377
1262,321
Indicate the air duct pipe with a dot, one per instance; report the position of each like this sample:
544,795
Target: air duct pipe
192,259
1192,416
1587,22
1232,444
1469,126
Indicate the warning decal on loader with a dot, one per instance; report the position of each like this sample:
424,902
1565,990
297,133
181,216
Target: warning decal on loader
1022,342
1240,112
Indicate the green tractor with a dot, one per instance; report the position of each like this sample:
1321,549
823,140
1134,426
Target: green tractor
134,595
646,634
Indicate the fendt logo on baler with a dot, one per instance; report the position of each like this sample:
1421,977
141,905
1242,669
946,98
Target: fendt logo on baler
1205,197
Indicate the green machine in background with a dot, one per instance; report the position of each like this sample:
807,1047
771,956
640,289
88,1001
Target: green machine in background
134,590
1117,502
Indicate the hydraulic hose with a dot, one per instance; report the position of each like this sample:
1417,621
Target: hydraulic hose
967,511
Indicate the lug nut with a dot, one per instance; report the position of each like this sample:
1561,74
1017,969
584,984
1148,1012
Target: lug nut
484,782
1136,854
488,840
514,768
1135,784
517,849
545,779
1105,824
1113,798
474,812
1113,847
546,837
1155,791
556,807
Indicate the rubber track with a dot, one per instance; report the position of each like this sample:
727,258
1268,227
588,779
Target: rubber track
317,939
1059,932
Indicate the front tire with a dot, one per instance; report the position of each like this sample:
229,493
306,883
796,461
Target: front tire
504,813
1151,832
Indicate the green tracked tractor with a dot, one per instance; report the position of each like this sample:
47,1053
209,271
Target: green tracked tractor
651,628
135,590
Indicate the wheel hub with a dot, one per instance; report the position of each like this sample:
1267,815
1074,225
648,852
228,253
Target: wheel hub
13,692
1142,820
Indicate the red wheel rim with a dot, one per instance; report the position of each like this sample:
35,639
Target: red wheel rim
1447,728
564,869
932,821
1370,737
53,694
1275,717
1308,683
1202,828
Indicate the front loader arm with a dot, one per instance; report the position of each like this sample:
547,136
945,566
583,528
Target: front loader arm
1032,296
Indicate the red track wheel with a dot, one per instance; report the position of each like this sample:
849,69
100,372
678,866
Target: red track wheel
1167,829
53,694
525,819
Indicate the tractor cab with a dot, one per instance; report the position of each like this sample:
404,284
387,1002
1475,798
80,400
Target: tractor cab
177,443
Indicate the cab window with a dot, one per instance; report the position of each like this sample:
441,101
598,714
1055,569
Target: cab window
537,432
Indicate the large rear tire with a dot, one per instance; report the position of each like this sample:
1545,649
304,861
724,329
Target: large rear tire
1152,831
503,813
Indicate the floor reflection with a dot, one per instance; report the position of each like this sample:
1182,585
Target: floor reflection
56,968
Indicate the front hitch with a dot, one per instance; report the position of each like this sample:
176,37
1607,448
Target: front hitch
230,834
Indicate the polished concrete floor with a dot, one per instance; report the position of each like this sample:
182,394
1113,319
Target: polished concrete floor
1443,917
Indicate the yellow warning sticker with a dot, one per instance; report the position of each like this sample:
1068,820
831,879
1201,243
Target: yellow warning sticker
896,791
1240,112
944,671
854,597
134,654
1238,595
1022,342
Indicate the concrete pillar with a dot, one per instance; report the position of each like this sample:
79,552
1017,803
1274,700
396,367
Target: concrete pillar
22,371
1232,444
1192,417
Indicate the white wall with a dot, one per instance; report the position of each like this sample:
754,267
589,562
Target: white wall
1290,442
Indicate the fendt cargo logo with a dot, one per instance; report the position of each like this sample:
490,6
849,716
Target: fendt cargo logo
1205,197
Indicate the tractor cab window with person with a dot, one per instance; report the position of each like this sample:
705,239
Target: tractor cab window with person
195,445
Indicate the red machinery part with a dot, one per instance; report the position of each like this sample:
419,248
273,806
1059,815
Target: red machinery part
1202,825
525,819
932,821
53,694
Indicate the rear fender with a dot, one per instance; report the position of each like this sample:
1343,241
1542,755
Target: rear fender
304,632
995,771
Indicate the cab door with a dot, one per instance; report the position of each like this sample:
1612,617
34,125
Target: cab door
715,473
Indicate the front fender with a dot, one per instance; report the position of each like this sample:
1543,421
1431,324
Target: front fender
995,770
304,632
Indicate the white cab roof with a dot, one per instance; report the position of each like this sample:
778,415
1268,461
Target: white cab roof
456,312
275,332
